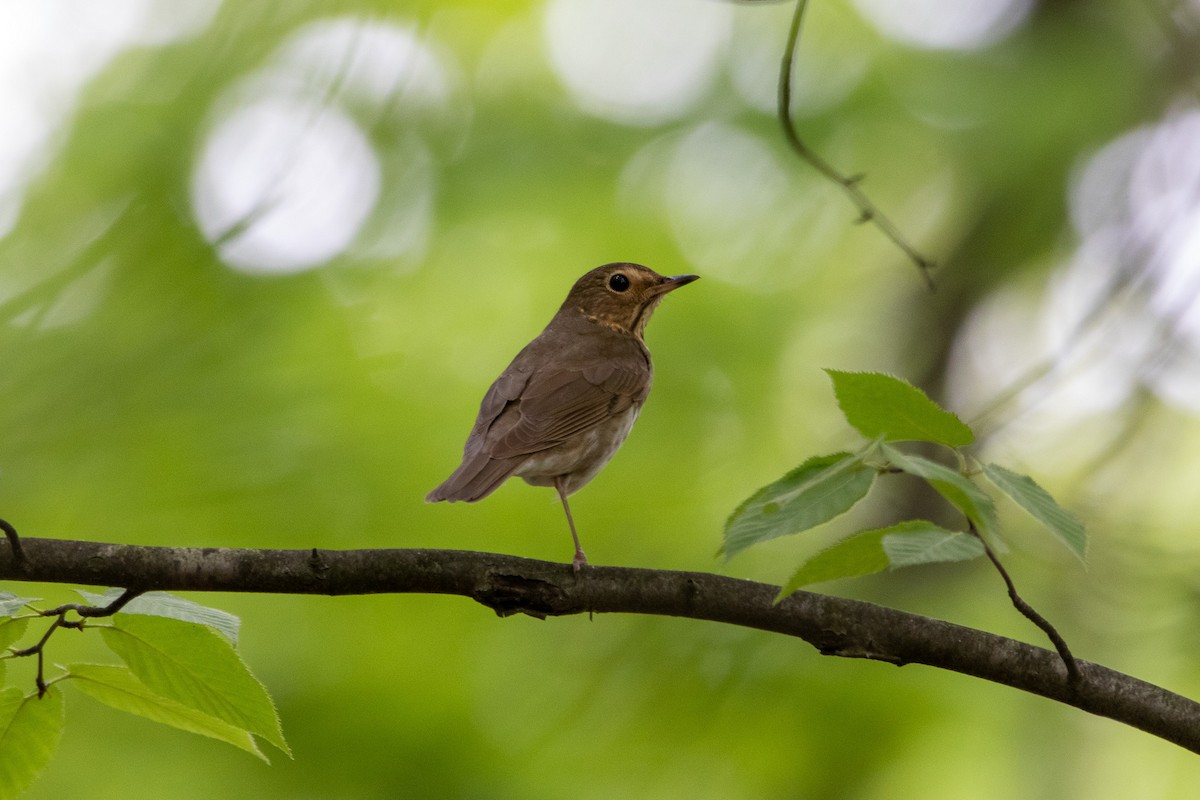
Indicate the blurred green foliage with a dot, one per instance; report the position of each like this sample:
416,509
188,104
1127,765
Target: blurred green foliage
153,394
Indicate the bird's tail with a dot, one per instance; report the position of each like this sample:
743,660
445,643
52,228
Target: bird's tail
474,480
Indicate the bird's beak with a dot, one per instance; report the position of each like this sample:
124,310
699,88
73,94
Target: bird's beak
674,282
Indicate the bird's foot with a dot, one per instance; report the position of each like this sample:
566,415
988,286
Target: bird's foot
579,561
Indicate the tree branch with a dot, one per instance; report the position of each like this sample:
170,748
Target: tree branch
511,585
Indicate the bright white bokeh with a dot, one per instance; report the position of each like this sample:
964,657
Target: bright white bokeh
638,62
1164,192
1098,194
946,24
386,65
1122,315
1136,203
284,185
289,179
49,50
722,185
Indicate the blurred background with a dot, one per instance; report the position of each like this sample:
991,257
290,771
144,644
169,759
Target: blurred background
259,262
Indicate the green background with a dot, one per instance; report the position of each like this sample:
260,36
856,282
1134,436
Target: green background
152,394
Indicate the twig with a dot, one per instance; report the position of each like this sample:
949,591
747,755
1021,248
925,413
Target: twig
1060,644
39,649
90,611
868,211
61,621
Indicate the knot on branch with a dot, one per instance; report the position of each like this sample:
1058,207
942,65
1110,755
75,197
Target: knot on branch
519,594
843,645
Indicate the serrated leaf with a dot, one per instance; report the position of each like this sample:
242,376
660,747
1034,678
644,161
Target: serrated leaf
821,488
1041,506
29,732
117,688
930,546
165,604
196,666
12,604
879,405
871,551
859,554
11,630
952,485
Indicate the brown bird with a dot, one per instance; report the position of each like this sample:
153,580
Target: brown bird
565,404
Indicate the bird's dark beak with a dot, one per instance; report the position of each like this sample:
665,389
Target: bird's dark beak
675,281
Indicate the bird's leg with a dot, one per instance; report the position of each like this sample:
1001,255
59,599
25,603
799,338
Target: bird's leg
580,560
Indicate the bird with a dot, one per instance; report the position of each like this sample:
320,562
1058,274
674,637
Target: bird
568,400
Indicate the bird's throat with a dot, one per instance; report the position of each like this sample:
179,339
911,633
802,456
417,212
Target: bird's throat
614,325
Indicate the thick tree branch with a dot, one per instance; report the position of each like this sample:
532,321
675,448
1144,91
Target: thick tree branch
511,585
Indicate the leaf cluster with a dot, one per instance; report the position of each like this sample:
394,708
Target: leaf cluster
179,668
889,411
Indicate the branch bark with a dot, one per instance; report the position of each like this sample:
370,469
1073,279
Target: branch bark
511,585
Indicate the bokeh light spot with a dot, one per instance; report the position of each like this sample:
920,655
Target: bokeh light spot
725,192
284,185
289,179
946,24
49,50
639,62
387,65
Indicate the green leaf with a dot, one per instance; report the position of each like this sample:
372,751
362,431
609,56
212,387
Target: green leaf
29,732
12,604
196,666
952,485
875,550
165,604
821,488
12,630
879,405
860,554
930,546
118,688
1038,502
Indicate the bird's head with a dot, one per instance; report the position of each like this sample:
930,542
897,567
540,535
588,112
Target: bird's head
622,296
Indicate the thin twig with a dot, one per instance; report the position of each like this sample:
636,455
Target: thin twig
61,621
39,649
1060,644
868,211
85,610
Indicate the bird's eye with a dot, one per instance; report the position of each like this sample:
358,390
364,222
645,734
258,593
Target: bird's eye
618,282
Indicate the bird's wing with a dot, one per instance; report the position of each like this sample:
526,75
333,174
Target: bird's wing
559,403
528,410
479,473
